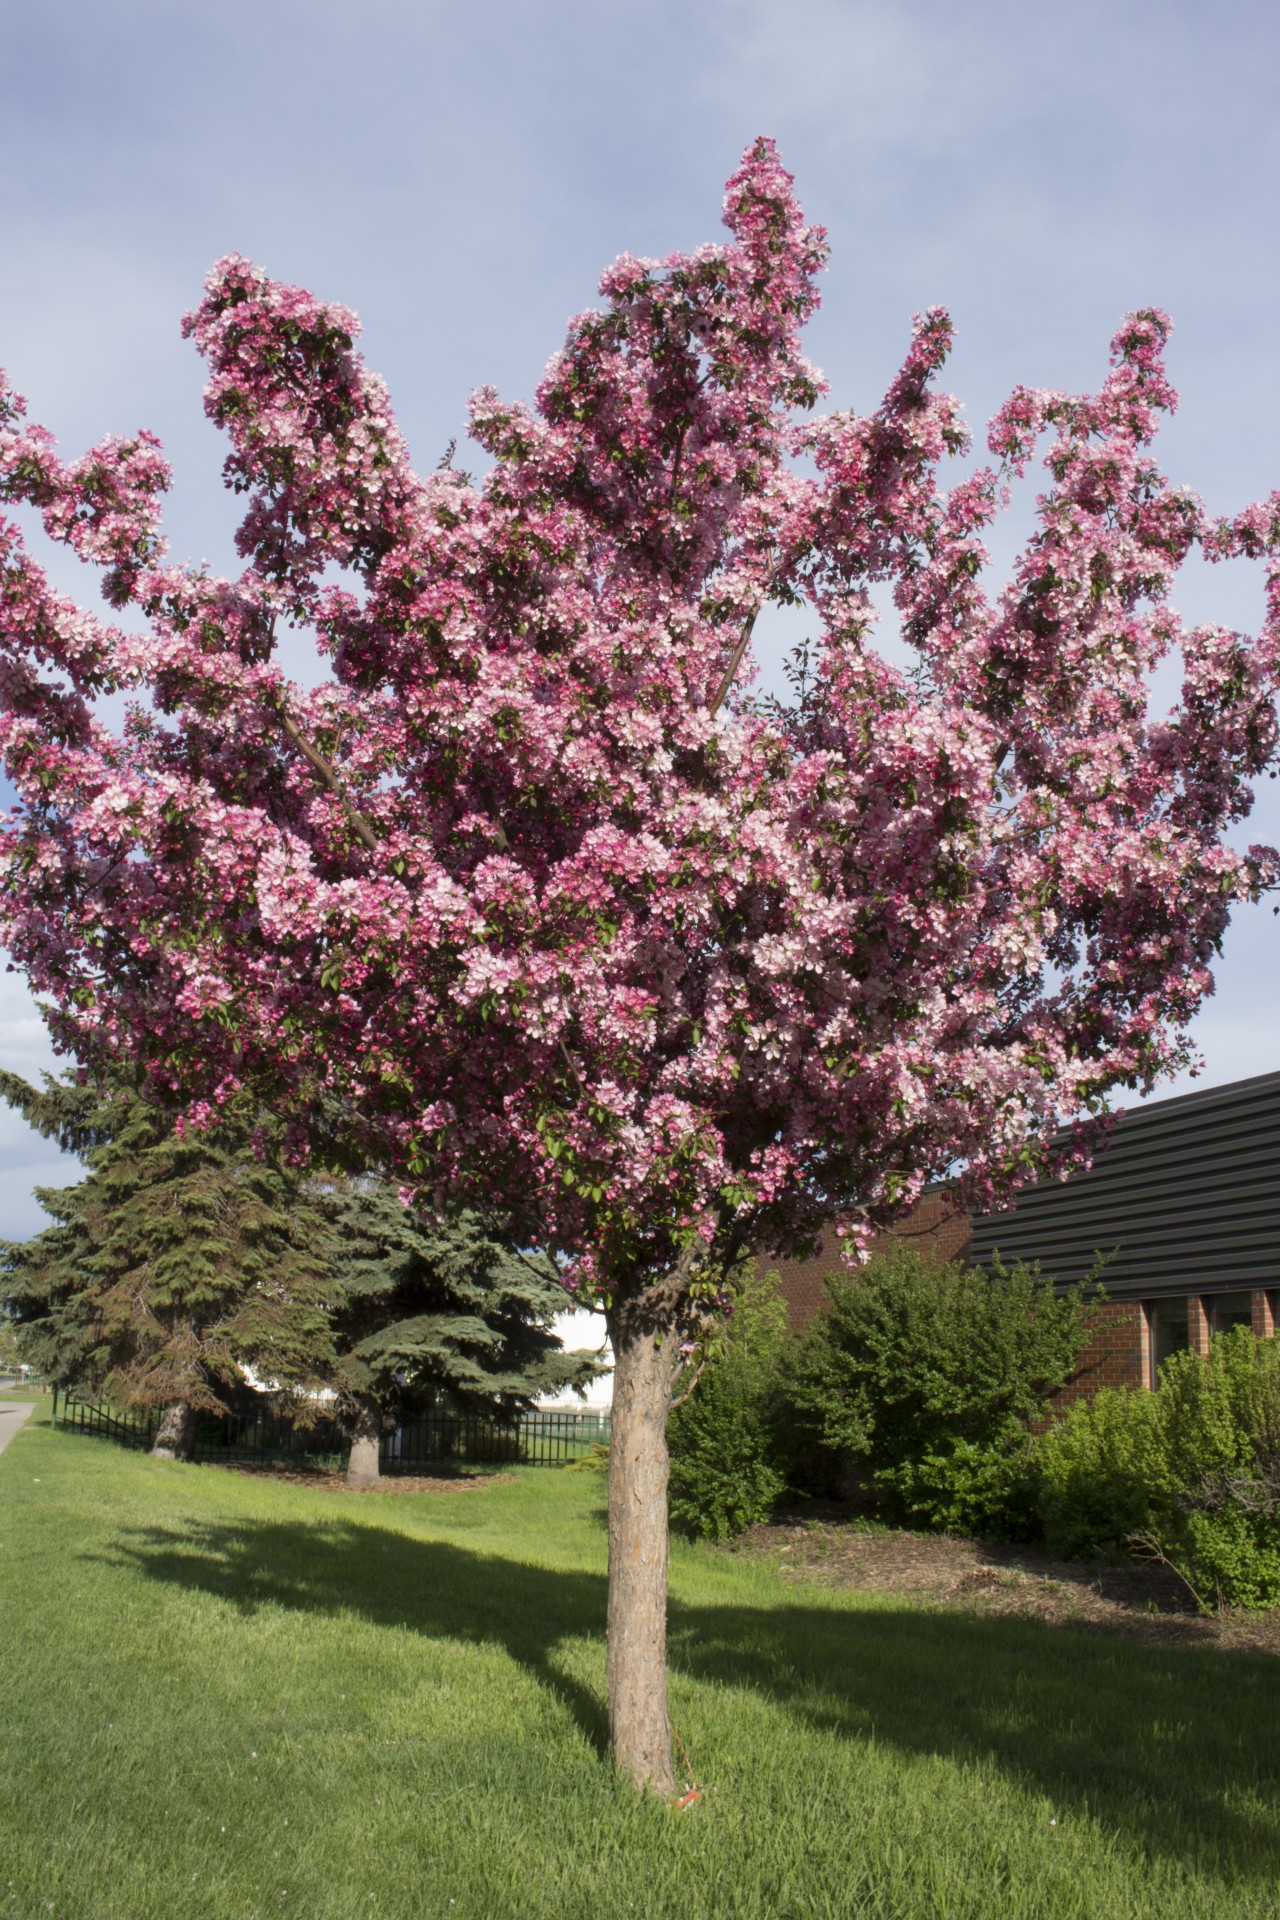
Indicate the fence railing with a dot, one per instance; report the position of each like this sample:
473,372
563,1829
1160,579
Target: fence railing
131,1429
544,1437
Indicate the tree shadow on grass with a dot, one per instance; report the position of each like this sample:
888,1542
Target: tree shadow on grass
1173,1745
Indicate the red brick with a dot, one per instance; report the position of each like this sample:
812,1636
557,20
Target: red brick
932,1226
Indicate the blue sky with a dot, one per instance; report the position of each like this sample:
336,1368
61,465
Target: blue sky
460,174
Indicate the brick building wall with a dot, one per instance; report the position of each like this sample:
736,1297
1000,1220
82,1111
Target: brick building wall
932,1226
1116,1356
1182,1202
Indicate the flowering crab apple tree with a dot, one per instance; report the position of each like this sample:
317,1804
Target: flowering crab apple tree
579,931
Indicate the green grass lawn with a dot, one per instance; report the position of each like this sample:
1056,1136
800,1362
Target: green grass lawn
228,1698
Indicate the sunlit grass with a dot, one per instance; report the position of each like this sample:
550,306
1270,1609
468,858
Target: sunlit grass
227,1697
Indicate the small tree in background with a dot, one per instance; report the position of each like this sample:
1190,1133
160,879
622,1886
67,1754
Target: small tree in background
435,1311
181,1263
923,1378
185,1262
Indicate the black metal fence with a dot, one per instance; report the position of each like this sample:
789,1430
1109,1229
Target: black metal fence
545,1437
82,1416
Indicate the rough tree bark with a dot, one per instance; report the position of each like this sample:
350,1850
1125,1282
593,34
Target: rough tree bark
649,1326
639,1727
363,1469
175,1436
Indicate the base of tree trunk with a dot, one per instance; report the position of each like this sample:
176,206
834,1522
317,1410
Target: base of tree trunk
363,1468
176,1434
639,1727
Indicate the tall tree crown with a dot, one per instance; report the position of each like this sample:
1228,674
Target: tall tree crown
531,884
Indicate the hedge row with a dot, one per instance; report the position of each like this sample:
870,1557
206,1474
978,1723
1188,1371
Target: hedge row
926,1393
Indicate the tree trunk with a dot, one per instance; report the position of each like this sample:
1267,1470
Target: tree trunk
363,1469
639,1727
176,1434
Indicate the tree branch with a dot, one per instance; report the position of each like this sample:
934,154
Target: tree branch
731,671
326,773
681,1398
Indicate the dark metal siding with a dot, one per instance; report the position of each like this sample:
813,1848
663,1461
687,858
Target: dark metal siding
1186,1192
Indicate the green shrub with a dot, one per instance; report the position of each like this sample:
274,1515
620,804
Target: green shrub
1231,1557
922,1380
970,1486
592,1459
1221,1410
1189,1473
725,1471
1100,1474
1219,1420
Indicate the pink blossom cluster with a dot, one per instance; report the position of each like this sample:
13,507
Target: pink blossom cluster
531,888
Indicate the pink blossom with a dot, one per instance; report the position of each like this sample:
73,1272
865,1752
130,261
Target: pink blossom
572,924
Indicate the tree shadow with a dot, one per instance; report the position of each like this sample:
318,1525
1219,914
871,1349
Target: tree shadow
1098,1724
438,1590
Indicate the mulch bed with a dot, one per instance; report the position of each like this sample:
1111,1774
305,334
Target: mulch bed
1146,1602
332,1480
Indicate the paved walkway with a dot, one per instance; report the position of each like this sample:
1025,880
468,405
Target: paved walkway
12,1415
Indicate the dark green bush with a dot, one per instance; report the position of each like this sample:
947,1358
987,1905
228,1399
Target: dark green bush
921,1382
725,1470
1190,1473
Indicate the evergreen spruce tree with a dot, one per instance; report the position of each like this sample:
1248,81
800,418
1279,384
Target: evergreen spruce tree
9,1356
41,1279
179,1264
183,1262
436,1313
